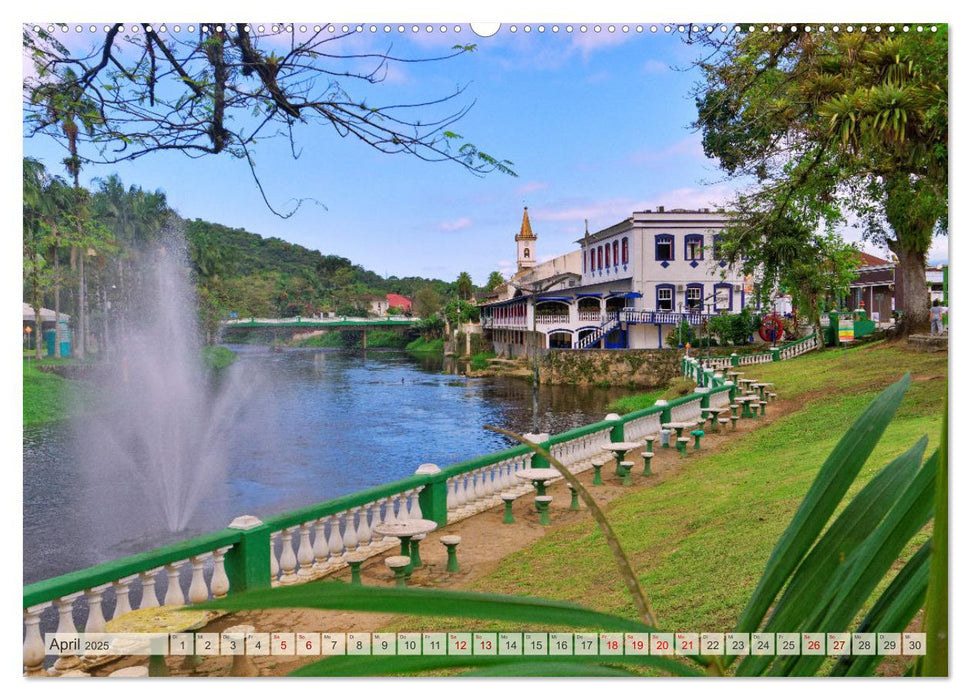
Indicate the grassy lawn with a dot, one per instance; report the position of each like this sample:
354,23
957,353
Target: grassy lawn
422,345
48,397
699,539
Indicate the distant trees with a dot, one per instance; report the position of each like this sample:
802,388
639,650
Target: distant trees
427,302
495,279
463,286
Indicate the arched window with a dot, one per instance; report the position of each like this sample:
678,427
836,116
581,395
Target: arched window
600,257
616,249
526,253
593,260
624,251
607,255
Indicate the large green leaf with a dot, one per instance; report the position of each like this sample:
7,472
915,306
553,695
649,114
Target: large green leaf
825,494
336,595
857,520
936,608
892,612
344,666
860,574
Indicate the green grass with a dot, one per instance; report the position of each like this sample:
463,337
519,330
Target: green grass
48,397
216,357
480,361
327,339
422,345
634,402
700,538
386,339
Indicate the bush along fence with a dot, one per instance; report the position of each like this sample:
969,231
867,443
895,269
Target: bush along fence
315,541
693,367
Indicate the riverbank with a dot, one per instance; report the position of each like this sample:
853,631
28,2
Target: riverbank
698,531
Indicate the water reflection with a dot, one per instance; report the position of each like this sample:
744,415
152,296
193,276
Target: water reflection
323,423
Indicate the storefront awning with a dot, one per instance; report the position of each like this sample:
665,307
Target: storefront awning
594,295
566,299
627,295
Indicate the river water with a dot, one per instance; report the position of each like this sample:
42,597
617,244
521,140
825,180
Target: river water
318,424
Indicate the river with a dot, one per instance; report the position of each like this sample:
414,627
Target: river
319,424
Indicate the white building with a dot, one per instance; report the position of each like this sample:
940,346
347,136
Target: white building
633,283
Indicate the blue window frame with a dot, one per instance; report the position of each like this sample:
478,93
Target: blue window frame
694,295
694,247
664,297
716,242
664,246
723,296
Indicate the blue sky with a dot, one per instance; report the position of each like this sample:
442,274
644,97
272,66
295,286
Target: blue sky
597,125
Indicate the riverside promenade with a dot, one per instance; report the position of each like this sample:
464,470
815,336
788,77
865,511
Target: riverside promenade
485,541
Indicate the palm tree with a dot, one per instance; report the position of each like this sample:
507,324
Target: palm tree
463,286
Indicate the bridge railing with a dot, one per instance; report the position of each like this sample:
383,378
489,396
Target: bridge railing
315,541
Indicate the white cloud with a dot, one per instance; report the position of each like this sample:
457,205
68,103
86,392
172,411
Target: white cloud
455,224
530,187
654,66
688,147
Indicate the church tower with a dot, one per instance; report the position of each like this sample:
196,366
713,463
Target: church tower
525,244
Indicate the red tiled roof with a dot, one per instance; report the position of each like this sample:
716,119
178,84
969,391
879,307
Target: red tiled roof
867,260
403,303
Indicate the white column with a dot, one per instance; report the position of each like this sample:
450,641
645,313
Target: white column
149,599
274,562
220,581
198,591
33,642
350,531
173,593
305,554
450,487
65,625
288,558
334,542
320,544
364,527
96,618
122,601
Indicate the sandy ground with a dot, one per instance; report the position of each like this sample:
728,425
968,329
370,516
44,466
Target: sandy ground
485,541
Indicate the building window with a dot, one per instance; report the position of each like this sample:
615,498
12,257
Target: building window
624,251
723,297
692,297
584,256
716,243
616,249
607,255
665,297
526,253
694,247
600,257
593,260
664,247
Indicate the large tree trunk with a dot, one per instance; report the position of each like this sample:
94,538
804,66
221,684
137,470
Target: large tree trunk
57,297
911,297
79,342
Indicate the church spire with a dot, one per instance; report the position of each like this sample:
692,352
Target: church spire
525,231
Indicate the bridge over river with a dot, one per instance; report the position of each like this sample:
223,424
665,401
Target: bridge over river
302,324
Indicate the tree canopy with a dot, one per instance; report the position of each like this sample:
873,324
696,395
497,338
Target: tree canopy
823,128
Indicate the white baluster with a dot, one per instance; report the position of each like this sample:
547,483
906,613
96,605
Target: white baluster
450,486
288,558
122,601
149,599
413,509
390,516
462,494
33,642
65,625
96,618
173,593
320,544
364,527
274,562
305,554
198,591
334,542
220,581
480,489
416,509
350,531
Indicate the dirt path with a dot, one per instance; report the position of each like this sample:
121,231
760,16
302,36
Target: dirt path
485,541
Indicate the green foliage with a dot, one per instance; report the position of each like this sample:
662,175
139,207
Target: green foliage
427,302
49,397
458,311
326,339
464,286
480,361
386,339
734,328
681,335
635,402
678,387
216,357
423,345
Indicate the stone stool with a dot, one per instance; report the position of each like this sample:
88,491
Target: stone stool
543,507
771,397
130,672
762,405
398,565
734,422
508,498
625,469
451,542
416,561
722,423
354,560
647,461
597,466
683,445
734,408
698,434
574,497
243,666
649,439
666,437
